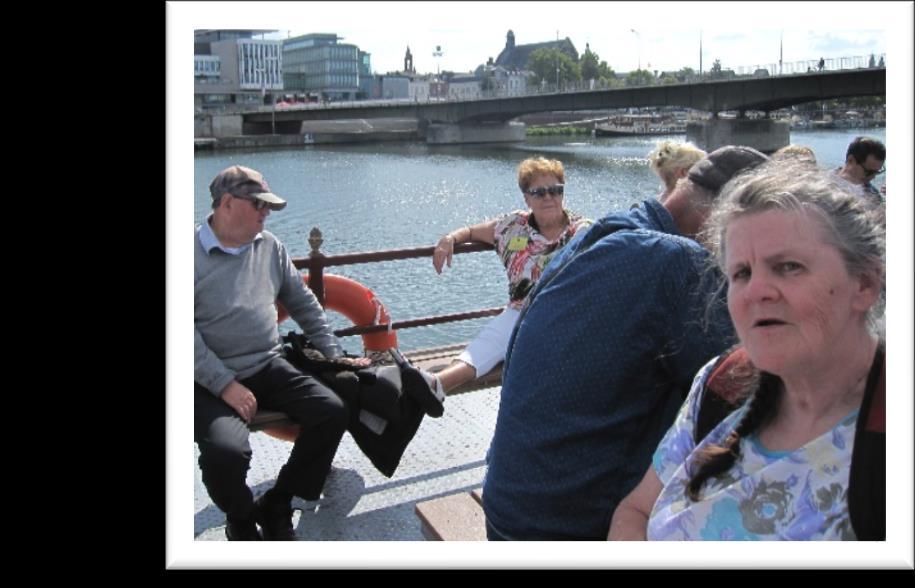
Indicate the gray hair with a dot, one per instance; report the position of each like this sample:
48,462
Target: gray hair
854,226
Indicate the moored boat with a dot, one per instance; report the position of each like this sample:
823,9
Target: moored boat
639,125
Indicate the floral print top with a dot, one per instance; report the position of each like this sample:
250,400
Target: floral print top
767,495
525,252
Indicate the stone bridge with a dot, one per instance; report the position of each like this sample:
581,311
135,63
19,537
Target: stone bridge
487,119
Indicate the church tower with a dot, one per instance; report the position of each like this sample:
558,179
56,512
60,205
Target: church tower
408,62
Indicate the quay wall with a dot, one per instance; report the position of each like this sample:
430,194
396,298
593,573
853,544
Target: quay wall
445,134
218,132
270,141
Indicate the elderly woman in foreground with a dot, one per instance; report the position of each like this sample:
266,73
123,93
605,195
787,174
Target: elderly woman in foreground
804,262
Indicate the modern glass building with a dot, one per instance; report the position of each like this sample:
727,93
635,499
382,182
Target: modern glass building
317,64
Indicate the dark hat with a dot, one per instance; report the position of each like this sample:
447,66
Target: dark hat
715,169
244,182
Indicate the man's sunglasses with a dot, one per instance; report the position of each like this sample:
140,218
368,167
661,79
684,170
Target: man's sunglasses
257,203
869,173
541,192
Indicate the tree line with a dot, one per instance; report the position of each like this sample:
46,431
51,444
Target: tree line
543,64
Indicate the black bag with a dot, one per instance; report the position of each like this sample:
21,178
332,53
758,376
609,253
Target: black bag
383,420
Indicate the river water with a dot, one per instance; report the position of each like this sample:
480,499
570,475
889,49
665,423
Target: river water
396,195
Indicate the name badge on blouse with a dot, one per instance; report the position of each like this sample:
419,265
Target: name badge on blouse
517,243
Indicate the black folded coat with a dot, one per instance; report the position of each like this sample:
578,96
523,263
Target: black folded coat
377,390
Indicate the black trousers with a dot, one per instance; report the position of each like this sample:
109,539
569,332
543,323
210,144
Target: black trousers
222,436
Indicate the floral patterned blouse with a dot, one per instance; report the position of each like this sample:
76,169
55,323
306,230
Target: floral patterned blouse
767,495
525,252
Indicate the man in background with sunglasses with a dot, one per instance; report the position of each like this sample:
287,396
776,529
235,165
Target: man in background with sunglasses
240,271
864,162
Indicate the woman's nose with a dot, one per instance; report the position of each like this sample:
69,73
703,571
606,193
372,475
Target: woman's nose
760,287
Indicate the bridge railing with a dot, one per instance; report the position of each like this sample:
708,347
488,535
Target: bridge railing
813,65
757,70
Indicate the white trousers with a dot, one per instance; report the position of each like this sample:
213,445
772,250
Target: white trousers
488,348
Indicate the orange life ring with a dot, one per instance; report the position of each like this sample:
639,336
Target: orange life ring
360,305
357,303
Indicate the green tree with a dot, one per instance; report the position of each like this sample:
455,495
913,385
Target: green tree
614,82
668,78
543,63
715,72
686,74
607,78
592,68
589,62
640,77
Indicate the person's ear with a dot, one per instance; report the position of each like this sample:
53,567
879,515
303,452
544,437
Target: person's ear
868,287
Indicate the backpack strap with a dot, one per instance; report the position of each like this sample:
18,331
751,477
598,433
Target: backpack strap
725,390
867,479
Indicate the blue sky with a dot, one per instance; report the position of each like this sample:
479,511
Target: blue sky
667,33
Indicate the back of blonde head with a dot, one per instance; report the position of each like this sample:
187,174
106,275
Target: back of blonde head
669,157
796,152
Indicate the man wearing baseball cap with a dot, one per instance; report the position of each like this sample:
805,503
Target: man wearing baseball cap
240,271
601,360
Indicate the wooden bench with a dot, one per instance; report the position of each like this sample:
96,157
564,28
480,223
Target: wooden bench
432,359
455,517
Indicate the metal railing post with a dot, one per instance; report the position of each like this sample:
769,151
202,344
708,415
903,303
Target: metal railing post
316,267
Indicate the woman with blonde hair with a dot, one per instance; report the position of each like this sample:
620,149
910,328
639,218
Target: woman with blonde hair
671,161
796,153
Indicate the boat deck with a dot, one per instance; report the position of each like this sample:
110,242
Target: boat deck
446,456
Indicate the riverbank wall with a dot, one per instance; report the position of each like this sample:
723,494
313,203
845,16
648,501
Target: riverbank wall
308,133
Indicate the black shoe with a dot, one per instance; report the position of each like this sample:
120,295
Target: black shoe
420,385
245,530
275,520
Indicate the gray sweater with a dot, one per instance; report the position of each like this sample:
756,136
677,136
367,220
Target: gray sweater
235,328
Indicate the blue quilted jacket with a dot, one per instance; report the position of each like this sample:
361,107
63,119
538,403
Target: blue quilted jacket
598,365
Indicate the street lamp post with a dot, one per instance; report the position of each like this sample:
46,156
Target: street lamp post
557,60
437,54
700,54
263,71
781,51
640,47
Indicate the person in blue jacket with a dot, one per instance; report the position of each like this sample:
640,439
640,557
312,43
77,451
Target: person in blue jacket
601,359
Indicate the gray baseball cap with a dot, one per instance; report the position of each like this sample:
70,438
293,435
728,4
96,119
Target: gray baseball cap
245,182
714,170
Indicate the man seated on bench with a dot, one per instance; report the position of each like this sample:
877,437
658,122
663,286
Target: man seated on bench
240,271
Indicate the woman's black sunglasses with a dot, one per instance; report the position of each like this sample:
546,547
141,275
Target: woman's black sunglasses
541,192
